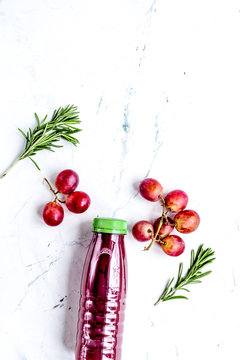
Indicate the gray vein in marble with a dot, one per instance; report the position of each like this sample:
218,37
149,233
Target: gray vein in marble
177,352
234,279
142,57
60,304
19,211
133,196
152,324
126,128
141,54
158,144
38,262
29,285
99,104
148,18
153,7
36,278
23,357
126,124
19,353
84,242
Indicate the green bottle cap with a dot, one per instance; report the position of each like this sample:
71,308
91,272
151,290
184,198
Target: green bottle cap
110,226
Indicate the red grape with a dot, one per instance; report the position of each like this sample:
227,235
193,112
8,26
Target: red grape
142,230
173,245
176,200
53,213
78,202
166,228
150,189
186,221
67,181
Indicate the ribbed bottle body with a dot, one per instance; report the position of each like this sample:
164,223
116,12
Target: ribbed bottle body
102,301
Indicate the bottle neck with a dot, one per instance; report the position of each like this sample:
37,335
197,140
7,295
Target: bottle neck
108,237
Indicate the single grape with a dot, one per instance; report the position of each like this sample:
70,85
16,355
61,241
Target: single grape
67,181
166,228
78,202
143,230
173,245
150,189
176,200
53,213
186,221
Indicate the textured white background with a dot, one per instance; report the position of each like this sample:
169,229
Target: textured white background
157,85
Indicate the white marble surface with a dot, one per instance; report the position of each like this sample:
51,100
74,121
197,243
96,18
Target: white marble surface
157,85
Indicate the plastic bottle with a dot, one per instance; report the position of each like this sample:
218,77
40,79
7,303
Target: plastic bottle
103,293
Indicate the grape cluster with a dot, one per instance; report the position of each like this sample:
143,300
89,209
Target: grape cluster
174,203
76,201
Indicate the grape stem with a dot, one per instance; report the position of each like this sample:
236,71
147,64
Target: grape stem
164,216
54,192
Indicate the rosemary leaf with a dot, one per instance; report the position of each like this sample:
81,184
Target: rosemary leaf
179,273
62,125
176,297
192,257
35,163
37,118
23,134
202,258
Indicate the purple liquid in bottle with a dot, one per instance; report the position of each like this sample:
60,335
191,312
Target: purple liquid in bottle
103,293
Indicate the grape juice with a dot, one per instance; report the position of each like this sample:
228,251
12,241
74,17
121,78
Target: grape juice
103,293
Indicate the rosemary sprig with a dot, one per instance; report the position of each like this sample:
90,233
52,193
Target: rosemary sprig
199,260
44,136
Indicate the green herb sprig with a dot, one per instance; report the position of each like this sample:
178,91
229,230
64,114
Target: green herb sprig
44,136
202,258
